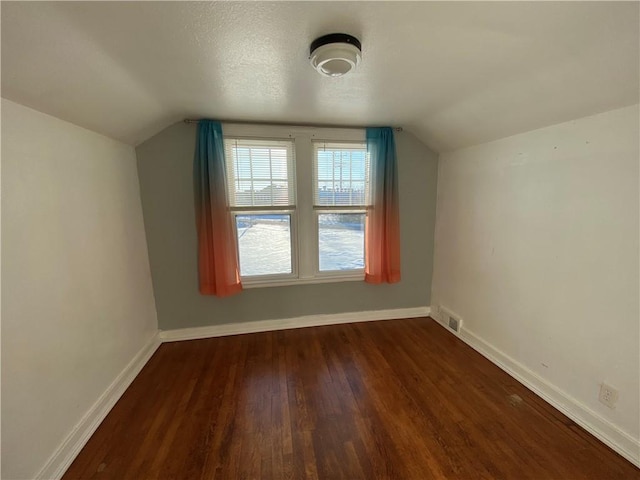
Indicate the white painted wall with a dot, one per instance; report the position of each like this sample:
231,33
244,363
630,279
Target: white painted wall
77,298
537,249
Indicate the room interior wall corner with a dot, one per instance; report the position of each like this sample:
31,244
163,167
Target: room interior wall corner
78,303
537,250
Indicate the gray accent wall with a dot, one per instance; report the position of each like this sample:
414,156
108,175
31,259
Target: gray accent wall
165,172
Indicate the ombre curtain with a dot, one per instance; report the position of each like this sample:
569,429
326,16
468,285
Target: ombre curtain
382,231
218,270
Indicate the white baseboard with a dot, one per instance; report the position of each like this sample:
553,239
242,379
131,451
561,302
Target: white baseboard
64,455
71,446
437,317
288,323
599,427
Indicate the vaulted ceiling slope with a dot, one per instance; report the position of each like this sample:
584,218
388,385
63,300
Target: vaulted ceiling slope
455,74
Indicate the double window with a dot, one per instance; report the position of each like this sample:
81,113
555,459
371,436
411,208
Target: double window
299,200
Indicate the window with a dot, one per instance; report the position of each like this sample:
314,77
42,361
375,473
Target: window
299,203
341,241
261,191
341,195
256,231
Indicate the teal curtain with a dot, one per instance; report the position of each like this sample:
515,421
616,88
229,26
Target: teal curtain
382,231
218,270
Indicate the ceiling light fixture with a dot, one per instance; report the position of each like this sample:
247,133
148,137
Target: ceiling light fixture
335,54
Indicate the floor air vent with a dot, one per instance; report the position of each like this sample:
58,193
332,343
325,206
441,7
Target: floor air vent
450,319
454,324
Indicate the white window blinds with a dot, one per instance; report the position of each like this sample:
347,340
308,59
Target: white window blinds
260,172
341,174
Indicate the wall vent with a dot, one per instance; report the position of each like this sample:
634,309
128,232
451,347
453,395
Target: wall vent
454,324
450,319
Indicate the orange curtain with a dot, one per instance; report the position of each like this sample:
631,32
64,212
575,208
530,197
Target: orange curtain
382,230
218,270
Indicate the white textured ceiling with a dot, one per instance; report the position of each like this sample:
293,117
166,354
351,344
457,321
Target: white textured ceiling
455,74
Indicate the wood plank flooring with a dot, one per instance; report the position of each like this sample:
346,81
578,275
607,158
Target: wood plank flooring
377,400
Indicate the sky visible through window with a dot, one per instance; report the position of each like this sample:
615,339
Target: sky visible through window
341,176
260,176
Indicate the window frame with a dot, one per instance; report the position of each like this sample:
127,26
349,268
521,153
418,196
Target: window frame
305,255
337,209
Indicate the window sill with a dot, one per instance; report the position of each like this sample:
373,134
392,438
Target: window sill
302,281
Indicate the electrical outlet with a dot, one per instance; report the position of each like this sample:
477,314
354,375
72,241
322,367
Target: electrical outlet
608,395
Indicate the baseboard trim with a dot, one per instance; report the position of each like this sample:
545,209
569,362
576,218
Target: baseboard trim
436,317
289,323
596,425
64,455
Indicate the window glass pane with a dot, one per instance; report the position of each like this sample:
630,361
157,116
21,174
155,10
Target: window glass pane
260,172
264,244
341,241
341,174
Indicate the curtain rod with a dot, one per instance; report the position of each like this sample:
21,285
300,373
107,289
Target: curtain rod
242,122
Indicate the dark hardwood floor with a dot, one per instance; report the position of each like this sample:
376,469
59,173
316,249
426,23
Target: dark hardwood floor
394,400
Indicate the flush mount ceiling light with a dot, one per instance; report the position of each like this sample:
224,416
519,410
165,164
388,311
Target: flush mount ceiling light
335,54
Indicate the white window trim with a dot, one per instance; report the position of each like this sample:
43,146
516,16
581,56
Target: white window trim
283,282
305,263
